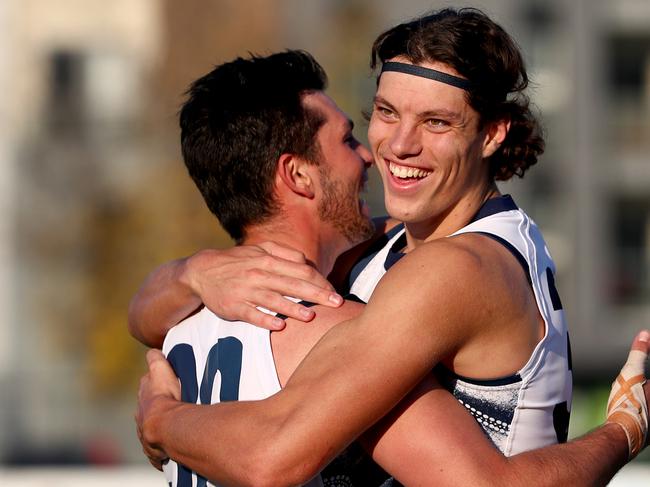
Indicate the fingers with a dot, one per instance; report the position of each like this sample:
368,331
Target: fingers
627,404
283,251
231,283
286,268
636,360
250,314
310,289
642,341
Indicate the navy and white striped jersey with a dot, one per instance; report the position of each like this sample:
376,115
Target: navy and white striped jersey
531,408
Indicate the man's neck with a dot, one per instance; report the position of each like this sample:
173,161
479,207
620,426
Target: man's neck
320,250
453,219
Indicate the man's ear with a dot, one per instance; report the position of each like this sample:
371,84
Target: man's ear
296,174
495,135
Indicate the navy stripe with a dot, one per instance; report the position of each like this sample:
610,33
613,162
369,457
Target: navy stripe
354,297
552,290
395,252
368,255
499,381
494,206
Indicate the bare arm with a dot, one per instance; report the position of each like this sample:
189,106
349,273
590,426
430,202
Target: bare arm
230,282
324,406
414,441
430,438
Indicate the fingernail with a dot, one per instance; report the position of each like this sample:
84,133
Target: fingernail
278,323
644,336
335,298
306,312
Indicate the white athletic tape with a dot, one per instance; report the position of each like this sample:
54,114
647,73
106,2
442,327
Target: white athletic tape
627,406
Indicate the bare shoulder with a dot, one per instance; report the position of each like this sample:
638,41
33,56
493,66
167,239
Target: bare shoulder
291,345
465,258
450,282
443,262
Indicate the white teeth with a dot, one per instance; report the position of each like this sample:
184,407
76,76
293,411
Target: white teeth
404,172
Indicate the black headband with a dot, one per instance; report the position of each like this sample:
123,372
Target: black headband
415,70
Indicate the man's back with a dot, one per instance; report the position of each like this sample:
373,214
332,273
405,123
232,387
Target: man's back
218,360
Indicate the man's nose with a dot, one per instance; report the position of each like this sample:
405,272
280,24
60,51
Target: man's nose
405,141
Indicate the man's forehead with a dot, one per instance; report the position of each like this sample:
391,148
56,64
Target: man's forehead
333,114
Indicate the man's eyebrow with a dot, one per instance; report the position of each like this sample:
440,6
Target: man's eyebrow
348,126
440,112
383,101
435,113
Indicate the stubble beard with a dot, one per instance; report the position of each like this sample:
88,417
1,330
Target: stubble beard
340,207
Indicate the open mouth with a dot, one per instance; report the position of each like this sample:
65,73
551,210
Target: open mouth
407,173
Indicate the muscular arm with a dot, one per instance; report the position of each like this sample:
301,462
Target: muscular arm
165,299
291,435
429,438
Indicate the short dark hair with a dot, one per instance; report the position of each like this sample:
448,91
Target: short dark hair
237,121
481,51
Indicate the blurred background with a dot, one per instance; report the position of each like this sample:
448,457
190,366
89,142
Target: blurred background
93,193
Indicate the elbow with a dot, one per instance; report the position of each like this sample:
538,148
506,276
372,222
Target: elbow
273,465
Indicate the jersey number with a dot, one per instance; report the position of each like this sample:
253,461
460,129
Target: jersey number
225,357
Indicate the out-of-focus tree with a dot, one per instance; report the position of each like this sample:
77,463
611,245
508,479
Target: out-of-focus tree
166,217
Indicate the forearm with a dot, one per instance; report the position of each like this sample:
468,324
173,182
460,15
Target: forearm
229,443
290,436
431,439
592,460
164,299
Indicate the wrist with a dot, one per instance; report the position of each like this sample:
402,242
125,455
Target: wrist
618,439
155,424
187,271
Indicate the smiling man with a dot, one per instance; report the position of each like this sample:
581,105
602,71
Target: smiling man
470,294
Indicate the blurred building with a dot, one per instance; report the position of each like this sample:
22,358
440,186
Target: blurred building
93,194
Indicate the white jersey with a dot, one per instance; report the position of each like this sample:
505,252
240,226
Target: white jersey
216,361
531,408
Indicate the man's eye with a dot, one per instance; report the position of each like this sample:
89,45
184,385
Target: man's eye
385,112
436,122
351,141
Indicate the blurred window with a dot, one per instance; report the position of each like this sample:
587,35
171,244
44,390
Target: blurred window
631,249
627,77
628,64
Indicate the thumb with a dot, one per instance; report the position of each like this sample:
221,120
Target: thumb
154,355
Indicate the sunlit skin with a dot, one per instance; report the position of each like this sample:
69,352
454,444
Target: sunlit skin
327,218
343,171
475,314
428,125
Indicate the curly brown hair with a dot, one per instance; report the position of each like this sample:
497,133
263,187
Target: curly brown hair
480,50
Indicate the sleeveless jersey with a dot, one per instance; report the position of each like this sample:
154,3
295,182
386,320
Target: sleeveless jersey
529,409
217,361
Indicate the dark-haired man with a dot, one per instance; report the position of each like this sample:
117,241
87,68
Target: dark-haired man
474,297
